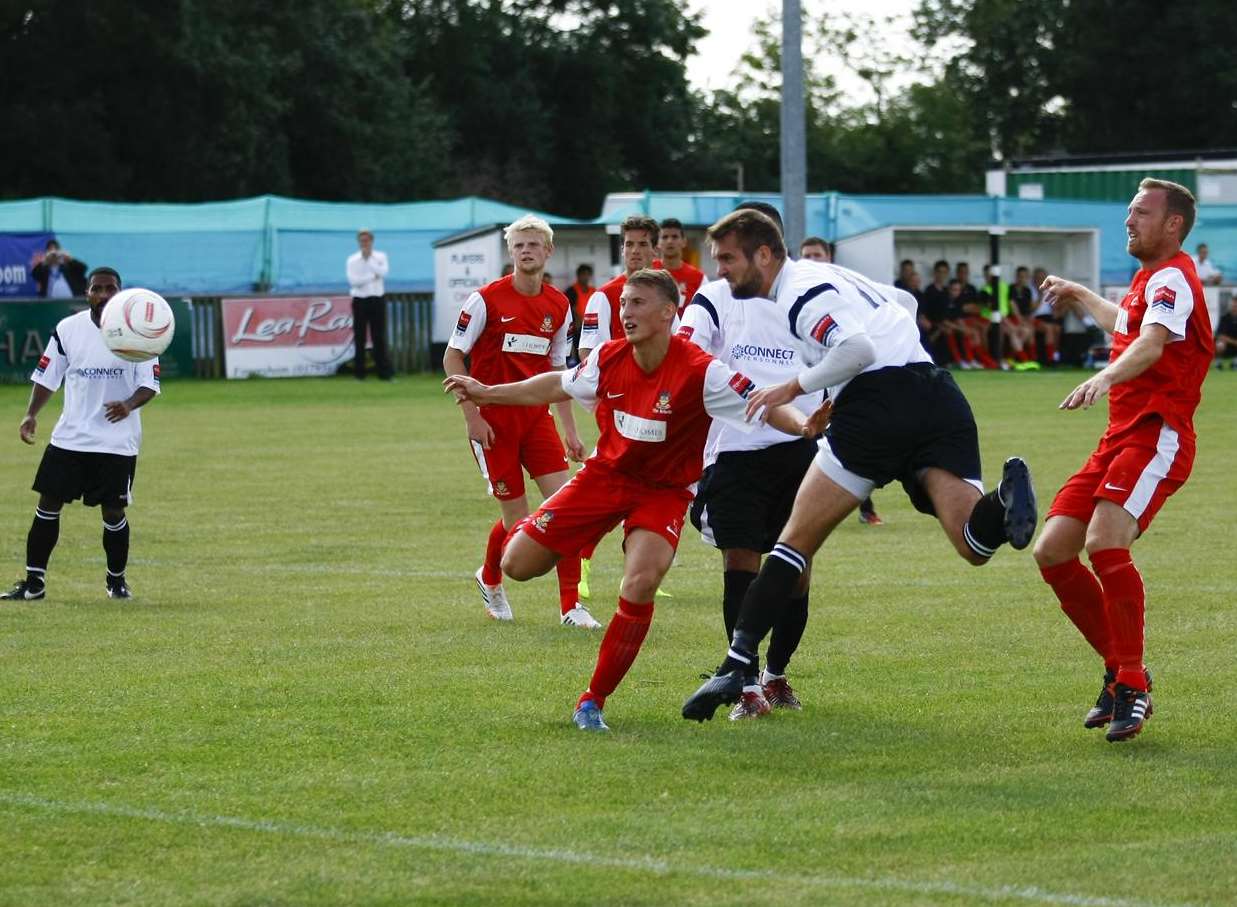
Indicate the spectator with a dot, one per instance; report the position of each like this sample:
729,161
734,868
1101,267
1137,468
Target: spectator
906,271
59,275
578,295
548,279
1047,324
367,269
967,328
938,339
816,249
969,293
1226,336
1208,274
508,268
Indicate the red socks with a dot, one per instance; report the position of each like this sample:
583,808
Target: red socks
619,648
491,574
1082,600
1124,602
951,341
568,583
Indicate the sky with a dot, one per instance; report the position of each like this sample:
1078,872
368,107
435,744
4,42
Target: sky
730,33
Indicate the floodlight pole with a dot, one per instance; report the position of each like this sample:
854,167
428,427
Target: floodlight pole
794,143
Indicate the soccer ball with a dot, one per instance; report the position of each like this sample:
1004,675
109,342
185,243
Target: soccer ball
137,324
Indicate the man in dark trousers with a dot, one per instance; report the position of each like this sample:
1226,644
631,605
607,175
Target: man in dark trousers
367,269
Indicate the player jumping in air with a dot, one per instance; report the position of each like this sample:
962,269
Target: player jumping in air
895,416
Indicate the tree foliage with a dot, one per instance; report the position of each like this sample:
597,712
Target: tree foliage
553,103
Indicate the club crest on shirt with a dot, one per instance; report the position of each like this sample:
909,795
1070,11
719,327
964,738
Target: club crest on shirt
742,385
686,331
500,488
462,325
662,406
1164,298
822,330
547,325
542,520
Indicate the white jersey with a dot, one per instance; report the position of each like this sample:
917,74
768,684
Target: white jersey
825,304
93,375
749,336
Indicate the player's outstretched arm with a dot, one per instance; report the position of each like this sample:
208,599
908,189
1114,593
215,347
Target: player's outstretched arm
1139,356
545,388
39,395
1064,294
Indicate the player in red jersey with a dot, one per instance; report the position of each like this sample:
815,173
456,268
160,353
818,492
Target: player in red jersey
654,396
515,328
602,322
670,243
639,235
1161,350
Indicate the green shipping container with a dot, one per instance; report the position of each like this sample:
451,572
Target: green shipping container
1095,185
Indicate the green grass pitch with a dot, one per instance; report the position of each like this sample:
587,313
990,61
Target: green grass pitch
305,705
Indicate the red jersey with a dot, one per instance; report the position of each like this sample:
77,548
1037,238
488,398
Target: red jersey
689,278
510,336
601,317
1170,295
654,424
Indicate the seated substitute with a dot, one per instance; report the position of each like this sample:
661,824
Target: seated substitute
654,396
895,416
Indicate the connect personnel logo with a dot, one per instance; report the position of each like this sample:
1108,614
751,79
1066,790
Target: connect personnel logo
97,373
767,354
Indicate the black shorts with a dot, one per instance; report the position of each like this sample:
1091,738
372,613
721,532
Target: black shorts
745,498
96,478
893,422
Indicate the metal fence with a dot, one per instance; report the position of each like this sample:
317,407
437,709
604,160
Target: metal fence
410,321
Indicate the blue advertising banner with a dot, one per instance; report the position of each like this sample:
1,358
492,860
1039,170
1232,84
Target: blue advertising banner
19,253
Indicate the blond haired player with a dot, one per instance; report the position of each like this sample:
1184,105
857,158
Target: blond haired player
516,328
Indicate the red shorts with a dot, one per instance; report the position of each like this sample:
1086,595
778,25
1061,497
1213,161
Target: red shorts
581,512
1137,469
528,440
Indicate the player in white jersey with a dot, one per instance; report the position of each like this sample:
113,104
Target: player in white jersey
749,481
748,487
93,450
895,416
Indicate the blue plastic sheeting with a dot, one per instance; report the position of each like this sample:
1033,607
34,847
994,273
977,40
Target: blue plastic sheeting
236,246
315,261
175,262
293,245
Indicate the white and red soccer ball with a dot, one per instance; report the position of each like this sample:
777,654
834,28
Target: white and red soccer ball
137,324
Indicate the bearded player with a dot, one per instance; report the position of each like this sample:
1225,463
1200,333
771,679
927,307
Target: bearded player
654,396
1161,350
511,329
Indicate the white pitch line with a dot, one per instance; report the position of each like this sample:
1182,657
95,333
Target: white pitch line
1026,893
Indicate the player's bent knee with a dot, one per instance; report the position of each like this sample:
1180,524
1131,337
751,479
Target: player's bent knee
526,558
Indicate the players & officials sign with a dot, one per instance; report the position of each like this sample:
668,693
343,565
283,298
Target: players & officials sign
287,336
